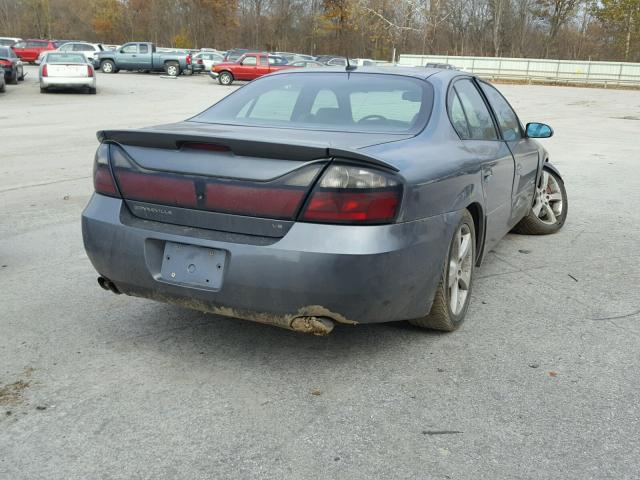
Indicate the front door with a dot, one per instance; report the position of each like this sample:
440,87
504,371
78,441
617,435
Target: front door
524,150
128,56
247,68
473,121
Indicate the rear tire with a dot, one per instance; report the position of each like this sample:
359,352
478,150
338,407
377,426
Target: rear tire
43,90
550,206
21,77
92,91
172,69
14,79
3,88
453,294
225,78
107,66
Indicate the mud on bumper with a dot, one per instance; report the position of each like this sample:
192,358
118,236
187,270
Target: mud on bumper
347,274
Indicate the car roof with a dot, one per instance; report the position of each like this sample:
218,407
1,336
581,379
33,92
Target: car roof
416,72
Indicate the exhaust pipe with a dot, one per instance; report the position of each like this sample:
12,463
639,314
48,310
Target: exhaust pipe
107,284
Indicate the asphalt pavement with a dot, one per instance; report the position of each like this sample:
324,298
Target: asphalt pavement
542,381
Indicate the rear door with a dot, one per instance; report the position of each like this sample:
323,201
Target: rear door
473,121
524,150
145,57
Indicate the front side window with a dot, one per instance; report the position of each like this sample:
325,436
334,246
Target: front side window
249,61
507,118
67,47
132,48
479,121
335,101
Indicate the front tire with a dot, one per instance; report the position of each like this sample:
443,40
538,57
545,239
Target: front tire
225,78
453,294
107,66
550,205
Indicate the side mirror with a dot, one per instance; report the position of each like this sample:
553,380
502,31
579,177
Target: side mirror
539,130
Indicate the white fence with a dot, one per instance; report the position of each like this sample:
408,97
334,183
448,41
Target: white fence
530,69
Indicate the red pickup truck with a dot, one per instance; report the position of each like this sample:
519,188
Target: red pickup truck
248,67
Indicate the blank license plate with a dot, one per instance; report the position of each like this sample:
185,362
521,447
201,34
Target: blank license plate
191,265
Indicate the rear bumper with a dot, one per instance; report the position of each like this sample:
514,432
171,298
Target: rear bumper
349,274
68,82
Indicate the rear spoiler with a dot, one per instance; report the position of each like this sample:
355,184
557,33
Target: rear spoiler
239,146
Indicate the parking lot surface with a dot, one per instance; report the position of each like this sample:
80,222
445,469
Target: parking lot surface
541,382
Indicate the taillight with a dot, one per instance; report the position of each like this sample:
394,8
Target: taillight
188,59
5,63
102,179
200,62
354,195
89,71
44,71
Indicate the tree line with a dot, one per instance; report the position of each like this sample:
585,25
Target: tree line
567,29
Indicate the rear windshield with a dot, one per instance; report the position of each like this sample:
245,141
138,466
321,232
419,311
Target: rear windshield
353,102
65,58
6,52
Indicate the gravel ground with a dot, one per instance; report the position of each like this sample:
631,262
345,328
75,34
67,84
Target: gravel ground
542,381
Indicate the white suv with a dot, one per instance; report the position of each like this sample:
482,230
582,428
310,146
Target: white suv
88,49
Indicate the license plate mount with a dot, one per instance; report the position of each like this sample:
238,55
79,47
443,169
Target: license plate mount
192,265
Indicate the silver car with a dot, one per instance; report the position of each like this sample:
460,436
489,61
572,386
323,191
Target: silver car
66,70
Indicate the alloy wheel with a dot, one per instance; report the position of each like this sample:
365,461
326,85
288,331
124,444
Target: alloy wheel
548,203
460,267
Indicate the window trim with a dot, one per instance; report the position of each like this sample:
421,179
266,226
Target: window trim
451,86
520,127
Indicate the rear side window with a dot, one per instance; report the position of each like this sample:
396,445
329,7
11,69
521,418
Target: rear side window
34,44
20,45
144,48
479,121
458,117
507,118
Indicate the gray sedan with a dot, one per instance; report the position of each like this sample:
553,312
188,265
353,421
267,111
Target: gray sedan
310,198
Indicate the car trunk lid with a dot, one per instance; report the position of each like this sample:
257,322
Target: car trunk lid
225,178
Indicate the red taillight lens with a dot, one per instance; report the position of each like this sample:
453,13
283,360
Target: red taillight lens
44,71
354,195
156,188
89,71
254,201
278,199
188,59
366,207
102,179
200,62
5,63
